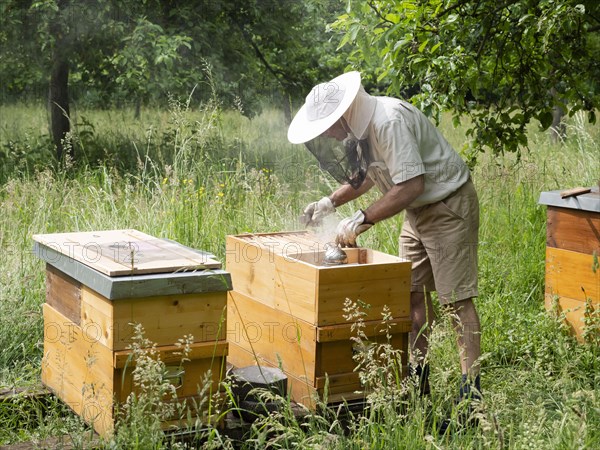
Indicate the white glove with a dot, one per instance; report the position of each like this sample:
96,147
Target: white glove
348,229
315,212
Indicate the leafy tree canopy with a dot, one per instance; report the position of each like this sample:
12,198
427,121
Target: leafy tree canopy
501,63
127,50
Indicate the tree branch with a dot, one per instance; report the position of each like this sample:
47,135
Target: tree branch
276,73
452,8
592,16
383,19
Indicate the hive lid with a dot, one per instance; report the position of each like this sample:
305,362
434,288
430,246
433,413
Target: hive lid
124,252
586,202
288,242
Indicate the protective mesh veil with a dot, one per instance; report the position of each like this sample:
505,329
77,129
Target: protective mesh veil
346,161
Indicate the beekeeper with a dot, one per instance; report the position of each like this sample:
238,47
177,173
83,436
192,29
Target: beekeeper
365,141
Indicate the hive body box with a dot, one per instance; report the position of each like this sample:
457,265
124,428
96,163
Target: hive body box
287,310
94,295
572,252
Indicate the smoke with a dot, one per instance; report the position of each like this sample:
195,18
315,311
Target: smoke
326,231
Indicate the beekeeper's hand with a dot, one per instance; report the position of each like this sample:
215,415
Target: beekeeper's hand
348,229
315,212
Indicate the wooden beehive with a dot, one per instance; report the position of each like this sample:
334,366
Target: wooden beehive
285,272
572,252
98,285
287,310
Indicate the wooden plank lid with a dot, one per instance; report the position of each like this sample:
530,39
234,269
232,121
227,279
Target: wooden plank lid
588,201
125,252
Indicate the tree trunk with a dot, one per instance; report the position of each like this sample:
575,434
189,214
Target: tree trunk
287,108
558,130
58,89
59,104
138,108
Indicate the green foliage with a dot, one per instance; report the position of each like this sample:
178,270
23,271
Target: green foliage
148,61
153,400
37,415
25,156
21,70
500,64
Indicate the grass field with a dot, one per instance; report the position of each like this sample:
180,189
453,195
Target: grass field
195,175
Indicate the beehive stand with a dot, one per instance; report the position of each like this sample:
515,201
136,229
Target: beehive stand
572,252
98,284
287,310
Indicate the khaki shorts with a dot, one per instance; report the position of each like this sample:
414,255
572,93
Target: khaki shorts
441,241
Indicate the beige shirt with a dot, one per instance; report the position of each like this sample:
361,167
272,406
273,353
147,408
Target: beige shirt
404,141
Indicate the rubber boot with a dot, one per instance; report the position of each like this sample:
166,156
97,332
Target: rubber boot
422,373
469,389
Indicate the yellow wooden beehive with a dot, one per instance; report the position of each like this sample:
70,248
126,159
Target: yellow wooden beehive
572,252
99,285
286,309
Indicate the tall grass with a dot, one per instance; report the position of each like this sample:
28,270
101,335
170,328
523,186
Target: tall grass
195,174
